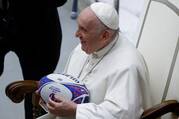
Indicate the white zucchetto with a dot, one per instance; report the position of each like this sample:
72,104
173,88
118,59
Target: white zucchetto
107,14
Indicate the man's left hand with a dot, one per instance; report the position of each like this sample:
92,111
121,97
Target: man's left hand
61,107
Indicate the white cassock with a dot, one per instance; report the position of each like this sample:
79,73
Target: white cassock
117,79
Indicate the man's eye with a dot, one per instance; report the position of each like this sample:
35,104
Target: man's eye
83,29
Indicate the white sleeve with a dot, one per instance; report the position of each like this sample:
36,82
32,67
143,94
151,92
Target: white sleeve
123,98
47,116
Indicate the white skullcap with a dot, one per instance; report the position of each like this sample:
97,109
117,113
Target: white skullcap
107,14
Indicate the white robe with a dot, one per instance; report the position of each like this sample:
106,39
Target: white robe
117,79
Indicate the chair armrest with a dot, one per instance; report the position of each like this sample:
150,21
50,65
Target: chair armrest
161,109
17,90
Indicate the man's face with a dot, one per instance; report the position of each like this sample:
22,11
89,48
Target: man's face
87,32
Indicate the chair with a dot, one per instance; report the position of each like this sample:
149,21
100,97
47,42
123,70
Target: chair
160,49
17,90
159,44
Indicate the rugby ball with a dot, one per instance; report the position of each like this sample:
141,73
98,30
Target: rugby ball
64,85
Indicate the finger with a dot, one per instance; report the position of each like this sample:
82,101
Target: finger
58,98
37,92
51,102
50,107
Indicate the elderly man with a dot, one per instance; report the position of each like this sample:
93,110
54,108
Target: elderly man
112,69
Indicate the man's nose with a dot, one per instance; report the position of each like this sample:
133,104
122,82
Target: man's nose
77,34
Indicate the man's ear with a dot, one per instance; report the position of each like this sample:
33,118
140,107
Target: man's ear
105,36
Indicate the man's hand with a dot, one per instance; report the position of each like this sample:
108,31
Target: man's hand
60,107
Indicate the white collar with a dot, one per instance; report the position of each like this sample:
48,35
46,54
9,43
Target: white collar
104,50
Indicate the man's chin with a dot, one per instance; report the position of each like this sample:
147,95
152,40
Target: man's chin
86,51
